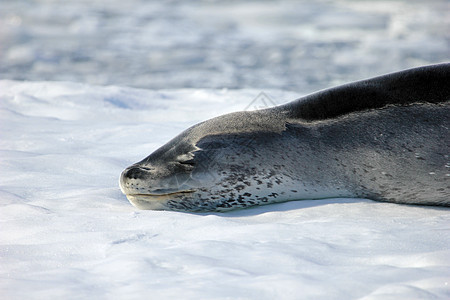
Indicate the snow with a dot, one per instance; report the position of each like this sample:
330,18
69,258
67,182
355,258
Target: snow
297,45
89,87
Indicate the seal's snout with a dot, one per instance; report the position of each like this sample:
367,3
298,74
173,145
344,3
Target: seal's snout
132,178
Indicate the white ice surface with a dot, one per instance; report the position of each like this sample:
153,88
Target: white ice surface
67,232
298,45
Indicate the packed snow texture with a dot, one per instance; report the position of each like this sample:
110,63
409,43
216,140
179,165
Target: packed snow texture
66,230
298,45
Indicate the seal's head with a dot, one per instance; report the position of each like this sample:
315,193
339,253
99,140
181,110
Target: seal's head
161,177
210,166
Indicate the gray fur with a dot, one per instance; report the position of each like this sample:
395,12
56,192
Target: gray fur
385,139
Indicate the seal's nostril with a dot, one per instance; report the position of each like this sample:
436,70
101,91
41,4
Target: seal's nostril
135,173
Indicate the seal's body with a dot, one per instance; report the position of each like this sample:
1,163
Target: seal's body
385,139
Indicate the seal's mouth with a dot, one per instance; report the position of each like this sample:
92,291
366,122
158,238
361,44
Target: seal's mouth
157,201
162,194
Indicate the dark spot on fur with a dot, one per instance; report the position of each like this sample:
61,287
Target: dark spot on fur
239,187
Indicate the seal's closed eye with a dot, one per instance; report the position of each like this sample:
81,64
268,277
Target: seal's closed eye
189,162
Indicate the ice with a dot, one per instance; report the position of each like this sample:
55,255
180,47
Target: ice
284,44
89,87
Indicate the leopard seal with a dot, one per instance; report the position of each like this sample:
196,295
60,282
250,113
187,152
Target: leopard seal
384,138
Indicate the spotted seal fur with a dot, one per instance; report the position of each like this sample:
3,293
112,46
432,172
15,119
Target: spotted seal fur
384,138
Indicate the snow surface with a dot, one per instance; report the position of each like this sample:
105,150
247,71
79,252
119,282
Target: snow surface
67,232
298,45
